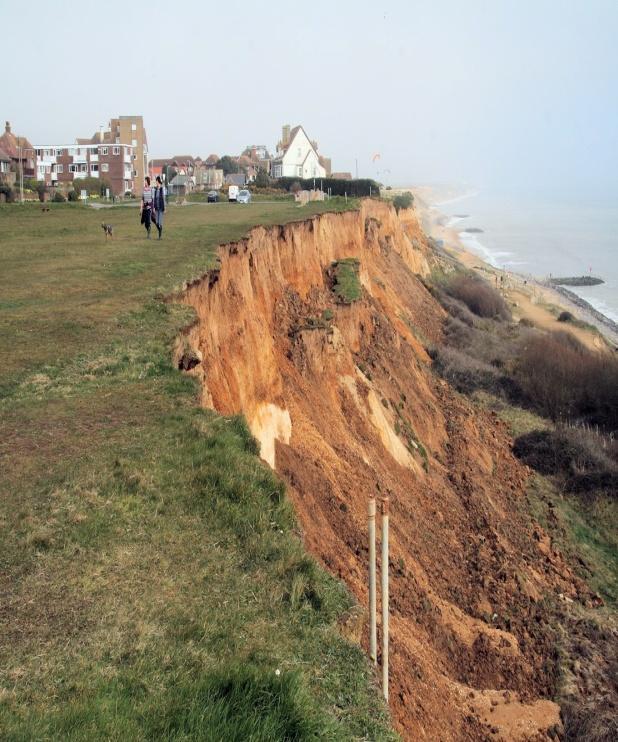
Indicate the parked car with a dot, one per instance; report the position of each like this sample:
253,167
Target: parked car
244,197
212,197
232,193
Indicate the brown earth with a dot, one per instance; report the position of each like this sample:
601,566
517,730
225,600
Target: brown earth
348,406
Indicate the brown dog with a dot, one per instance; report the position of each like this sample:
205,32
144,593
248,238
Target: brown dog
109,231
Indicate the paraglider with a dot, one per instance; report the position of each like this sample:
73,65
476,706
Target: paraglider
375,157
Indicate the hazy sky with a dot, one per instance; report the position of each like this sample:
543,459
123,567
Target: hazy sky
514,92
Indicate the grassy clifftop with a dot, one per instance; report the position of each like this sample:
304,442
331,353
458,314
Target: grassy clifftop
153,583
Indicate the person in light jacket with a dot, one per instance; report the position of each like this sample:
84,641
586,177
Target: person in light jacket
158,205
146,206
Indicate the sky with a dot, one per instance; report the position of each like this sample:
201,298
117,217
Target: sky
502,93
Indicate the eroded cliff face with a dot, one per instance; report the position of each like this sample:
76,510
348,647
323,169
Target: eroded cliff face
344,403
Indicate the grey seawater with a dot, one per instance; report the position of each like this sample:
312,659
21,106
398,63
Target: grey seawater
543,236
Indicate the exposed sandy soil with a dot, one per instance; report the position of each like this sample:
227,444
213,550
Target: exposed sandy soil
347,407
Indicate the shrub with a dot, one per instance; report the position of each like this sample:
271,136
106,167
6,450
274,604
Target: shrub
478,296
465,373
586,461
565,380
58,198
73,196
590,722
565,317
403,201
346,283
525,322
8,192
353,188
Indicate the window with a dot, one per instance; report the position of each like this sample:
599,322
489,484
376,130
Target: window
60,168
103,150
94,168
133,127
134,142
94,151
300,169
300,152
58,153
104,167
135,173
72,168
116,151
117,140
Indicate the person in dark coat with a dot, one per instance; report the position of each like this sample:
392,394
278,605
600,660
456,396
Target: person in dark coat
158,205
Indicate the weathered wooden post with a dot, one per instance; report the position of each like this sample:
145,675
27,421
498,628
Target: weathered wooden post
384,503
373,634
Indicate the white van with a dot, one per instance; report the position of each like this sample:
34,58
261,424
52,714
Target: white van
232,194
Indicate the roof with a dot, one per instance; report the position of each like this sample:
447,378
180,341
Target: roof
11,143
183,158
235,179
4,156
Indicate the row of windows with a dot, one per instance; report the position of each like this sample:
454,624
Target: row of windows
78,151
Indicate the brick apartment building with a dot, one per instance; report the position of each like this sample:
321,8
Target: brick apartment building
67,163
127,130
117,155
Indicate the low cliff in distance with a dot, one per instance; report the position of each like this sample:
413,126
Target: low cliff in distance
317,332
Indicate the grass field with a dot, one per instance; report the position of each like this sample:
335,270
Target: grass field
152,584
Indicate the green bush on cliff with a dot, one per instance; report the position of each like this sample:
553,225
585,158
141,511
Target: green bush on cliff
403,201
347,284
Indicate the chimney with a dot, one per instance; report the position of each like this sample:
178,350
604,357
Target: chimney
7,127
285,135
100,133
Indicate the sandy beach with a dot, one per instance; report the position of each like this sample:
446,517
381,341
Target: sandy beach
529,297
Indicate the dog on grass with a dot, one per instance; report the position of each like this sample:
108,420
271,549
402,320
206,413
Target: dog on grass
109,231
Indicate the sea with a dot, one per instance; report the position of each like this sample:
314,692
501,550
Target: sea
543,236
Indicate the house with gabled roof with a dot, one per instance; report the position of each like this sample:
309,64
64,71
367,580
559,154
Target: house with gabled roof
297,156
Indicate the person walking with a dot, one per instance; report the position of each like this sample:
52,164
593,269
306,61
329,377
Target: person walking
158,204
146,206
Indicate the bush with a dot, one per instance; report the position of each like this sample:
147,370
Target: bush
58,198
8,192
590,722
403,201
73,196
525,322
565,317
478,296
586,461
353,188
564,380
464,373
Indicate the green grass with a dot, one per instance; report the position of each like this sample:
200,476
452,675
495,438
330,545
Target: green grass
153,583
347,284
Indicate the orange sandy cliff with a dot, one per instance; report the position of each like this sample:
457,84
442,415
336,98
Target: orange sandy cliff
345,404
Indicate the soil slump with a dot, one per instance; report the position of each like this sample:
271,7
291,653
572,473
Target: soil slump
347,406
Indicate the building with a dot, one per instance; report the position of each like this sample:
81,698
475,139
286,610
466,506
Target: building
341,176
296,156
128,131
7,176
65,164
20,154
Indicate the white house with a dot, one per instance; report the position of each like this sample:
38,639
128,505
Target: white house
296,156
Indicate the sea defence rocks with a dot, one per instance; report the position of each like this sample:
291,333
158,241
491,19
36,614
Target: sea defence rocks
344,403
